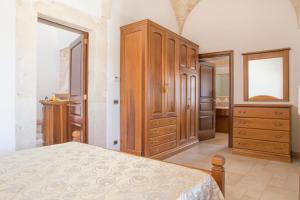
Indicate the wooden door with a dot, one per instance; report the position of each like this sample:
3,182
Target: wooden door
207,101
78,87
171,70
183,128
156,72
133,46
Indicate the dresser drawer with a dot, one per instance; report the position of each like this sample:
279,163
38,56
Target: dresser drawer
162,122
269,124
162,139
273,113
162,131
259,134
162,148
264,146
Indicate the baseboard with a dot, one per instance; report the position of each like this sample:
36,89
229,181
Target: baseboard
174,151
296,155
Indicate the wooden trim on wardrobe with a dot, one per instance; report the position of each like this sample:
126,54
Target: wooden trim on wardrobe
230,54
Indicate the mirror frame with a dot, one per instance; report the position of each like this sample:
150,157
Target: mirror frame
276,53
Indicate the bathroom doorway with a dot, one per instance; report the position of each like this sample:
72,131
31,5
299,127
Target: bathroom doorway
217,121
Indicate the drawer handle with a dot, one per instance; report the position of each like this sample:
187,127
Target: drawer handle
278,124
242,112
278,113
279,148
278,136
242,122
242,133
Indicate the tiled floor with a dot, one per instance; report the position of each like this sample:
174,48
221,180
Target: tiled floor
246,178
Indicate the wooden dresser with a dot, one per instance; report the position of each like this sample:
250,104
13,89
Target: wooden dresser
262,131
159,91
55,122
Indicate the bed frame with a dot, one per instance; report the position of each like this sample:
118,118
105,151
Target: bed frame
217,171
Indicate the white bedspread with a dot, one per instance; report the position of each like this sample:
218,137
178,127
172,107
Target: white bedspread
75,171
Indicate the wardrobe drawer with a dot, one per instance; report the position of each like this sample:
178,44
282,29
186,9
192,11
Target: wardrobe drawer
162,148
259,134
273,113
270,124
162,122
162,131
162,139
271,147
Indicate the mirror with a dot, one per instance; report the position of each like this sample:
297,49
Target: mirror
266,75
222,85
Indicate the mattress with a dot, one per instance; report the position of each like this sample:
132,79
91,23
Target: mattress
75,171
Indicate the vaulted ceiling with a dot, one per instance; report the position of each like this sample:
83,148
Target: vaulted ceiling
183,8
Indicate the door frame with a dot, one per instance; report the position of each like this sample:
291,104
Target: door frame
230,54
85,35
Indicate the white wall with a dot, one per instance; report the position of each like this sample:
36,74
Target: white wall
7,75
26,66
91,7
50,40
124,12
246,26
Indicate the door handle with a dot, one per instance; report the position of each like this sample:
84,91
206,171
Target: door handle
85,97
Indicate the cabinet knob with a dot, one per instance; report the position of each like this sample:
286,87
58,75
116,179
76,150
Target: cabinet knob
278,124
242,133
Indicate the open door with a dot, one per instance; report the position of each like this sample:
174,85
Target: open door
78,87
207,101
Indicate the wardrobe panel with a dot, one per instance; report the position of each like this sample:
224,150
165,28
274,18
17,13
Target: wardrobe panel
156,69
184,118
170,75
183,56
193,107
131,91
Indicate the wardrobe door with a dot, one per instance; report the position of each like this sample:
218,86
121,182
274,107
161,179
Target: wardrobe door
193,57
156,72
184,108
132,67
170,75
183,55
193,107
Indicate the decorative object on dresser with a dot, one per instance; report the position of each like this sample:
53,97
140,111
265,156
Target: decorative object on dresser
159,91
266,75
263,131
55,121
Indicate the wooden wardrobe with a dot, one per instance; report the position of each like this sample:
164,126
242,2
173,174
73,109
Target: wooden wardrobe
159,91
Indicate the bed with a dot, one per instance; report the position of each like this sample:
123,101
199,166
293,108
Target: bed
76,171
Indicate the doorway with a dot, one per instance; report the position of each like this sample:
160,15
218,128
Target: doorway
216,96
62,66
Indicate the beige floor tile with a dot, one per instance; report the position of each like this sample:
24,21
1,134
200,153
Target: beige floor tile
232,178
275,193
290,182
246,197
246,178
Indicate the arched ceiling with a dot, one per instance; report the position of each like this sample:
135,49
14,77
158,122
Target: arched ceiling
183,8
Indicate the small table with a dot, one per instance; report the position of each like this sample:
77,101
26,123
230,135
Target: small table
55,121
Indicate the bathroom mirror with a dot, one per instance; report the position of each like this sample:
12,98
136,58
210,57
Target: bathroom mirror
266,75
